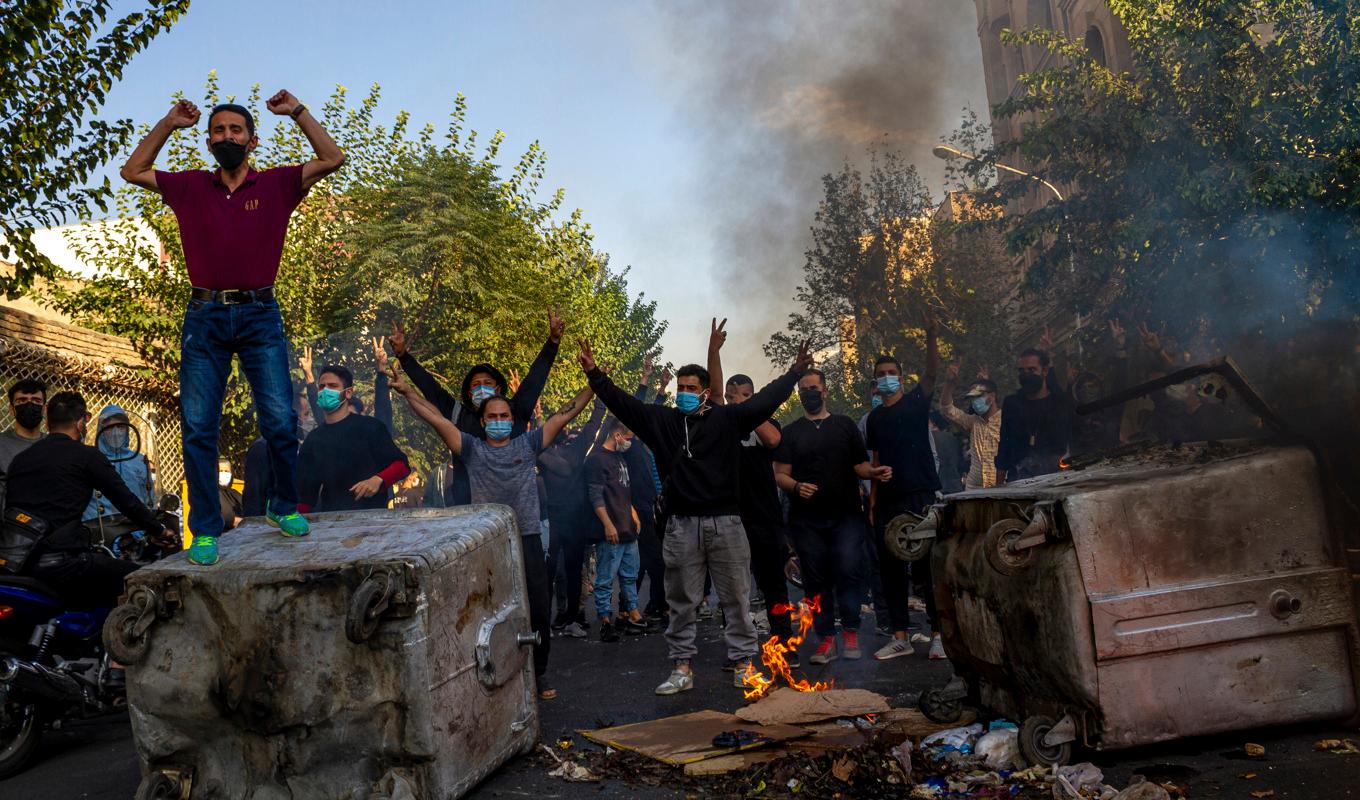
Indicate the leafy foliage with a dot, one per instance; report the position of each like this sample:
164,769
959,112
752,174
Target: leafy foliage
881,259
58,59
1214,188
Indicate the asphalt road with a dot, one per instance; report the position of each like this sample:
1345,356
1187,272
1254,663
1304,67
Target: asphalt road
605,684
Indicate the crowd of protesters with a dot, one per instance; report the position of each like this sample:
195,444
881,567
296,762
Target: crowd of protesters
670,498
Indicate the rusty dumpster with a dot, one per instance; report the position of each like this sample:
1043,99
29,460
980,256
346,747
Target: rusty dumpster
1183,589
383,656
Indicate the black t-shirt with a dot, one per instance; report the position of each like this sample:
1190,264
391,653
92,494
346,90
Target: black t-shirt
338,455
759,494
900,435
608,485
823,452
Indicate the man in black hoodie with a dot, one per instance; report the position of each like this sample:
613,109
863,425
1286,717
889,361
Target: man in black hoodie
480,382
699,445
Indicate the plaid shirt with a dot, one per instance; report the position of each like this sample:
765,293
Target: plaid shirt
984,436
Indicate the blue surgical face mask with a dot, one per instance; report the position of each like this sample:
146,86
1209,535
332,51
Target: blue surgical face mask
688,402
980,405
875,401
329,399
889,385
482,393
499,429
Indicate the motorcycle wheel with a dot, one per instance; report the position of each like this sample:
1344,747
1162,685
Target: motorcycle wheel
20,729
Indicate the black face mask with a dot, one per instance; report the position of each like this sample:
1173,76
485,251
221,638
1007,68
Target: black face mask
1031,383
29,415
228,153
811,400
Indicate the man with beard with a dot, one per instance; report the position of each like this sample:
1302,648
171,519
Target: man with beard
232,225
1036,423
699,445
819,462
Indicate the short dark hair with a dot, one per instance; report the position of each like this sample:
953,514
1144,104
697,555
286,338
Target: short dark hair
27,386
1037,353
740,380
346,377
236,109
821,376
693,371
987,385
481,412
65,408
613,425
887,359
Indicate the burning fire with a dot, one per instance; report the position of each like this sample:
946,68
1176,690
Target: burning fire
772,653
1064,463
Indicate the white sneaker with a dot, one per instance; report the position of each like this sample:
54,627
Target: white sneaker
920,638
894,649
937,649
678,682
575,631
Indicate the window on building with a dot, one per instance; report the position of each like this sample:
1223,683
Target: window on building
1039,14
1095,44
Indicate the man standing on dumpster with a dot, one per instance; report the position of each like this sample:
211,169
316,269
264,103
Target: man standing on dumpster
232,224
698,450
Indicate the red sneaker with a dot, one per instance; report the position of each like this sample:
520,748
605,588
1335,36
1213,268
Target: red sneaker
850,645
826,651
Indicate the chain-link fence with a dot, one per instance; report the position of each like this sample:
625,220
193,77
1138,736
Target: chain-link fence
152,409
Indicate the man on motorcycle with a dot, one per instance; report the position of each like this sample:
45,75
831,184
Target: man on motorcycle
53,481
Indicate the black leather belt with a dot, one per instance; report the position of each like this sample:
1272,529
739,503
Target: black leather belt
233,297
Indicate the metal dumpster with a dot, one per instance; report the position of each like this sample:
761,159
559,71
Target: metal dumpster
1174,591
386,655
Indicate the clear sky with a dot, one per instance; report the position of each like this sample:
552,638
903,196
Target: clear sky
685,131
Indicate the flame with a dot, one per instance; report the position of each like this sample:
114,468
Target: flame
1064,463
773,650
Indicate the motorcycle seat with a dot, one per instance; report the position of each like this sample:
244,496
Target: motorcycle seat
32,584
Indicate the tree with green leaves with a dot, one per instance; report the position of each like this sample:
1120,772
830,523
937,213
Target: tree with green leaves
1212,189
60,58
414,229
882,259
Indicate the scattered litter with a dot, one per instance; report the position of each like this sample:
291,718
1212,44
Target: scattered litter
1078,782
1248,776
1141,788
1265,793
1254,750
842,769
1000,748
566,742
791,707
1336,746
567,769
902,753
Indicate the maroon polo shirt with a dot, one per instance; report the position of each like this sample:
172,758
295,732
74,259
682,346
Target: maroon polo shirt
232,240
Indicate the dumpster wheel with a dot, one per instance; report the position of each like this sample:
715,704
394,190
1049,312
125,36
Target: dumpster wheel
997,544
1032,733
158,786
939,708
897,538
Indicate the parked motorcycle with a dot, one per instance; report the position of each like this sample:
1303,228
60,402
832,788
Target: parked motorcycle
53,663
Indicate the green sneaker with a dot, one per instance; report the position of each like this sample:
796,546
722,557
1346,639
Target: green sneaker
203,551
293,524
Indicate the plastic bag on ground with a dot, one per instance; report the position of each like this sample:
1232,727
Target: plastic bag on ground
1000,749
960,739
1143,789
902,753
1079,781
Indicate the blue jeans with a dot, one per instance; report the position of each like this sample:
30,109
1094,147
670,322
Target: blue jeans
612,560
213,332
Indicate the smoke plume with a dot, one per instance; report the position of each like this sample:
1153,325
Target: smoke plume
784,93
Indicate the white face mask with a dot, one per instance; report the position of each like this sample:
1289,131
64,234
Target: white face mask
224,479
622,445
